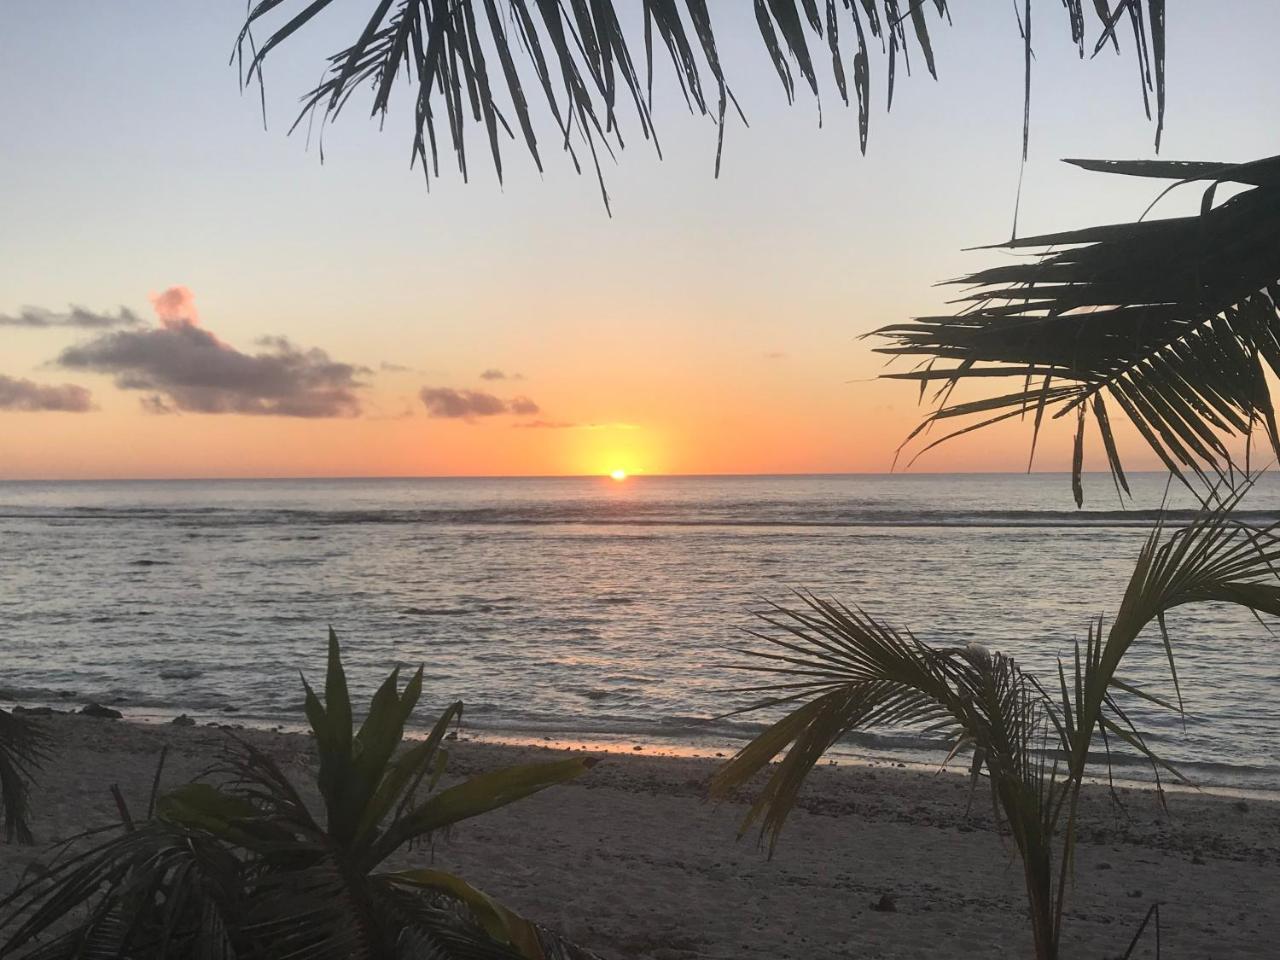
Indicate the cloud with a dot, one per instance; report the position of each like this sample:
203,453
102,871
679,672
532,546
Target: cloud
775,355
176,307
447,403
28,396
74,317
387,367
184,367
495,374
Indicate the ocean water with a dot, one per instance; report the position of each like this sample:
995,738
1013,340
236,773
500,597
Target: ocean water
588,608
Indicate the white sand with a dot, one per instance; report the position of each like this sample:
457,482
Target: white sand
632,862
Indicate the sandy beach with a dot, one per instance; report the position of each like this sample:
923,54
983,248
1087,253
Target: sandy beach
633,862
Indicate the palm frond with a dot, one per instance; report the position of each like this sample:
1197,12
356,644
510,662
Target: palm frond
1172,322
482,62
866,674
159,891
22,749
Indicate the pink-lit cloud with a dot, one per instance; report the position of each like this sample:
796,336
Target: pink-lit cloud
176,307
185,367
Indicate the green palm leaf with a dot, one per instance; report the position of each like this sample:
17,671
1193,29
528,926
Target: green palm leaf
237,864
839,670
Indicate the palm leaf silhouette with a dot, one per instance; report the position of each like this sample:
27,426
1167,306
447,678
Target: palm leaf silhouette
485,62
22,748
1172,322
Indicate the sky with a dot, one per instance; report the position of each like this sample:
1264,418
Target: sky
184,293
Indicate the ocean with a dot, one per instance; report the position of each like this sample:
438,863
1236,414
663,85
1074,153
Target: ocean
587,609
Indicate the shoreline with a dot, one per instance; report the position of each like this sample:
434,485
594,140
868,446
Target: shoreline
632,861
648,742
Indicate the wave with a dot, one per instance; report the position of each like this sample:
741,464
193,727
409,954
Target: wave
748,514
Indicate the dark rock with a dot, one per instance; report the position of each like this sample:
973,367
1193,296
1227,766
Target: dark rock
1135,894
885,904
451,735
1242,806
637,747
1104,866
98,710
35,711
183,721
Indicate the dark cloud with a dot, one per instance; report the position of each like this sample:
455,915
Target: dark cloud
29,396
460,404
75,317
495,374
184,367
450,404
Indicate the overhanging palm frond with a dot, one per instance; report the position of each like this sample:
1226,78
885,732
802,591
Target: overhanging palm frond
482,62
1171,322
22,748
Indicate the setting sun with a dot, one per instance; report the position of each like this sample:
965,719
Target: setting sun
618,474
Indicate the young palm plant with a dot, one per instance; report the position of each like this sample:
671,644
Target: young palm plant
21,750
238,865
846,670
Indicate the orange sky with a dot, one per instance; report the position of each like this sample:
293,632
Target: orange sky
708,326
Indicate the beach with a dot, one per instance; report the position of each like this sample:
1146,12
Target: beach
632,861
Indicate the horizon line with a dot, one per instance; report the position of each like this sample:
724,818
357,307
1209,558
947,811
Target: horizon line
560,476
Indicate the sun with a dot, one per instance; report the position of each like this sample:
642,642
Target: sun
618,474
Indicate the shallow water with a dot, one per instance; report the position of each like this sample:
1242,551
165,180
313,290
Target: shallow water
585,606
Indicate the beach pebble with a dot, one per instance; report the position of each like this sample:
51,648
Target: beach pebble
98,710
885,904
